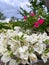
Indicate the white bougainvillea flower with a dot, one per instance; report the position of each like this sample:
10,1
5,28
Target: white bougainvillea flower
39,48
13,62
23,49
9,33
22,45
23,52
16,53
33,57
24,56
48,54
44,58
28,31
43,36
17,28
2,49
30,39
6,57
20,34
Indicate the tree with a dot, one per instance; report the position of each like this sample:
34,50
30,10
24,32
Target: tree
2,17
12,19
47,4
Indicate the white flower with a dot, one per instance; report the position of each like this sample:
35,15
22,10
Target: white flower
24,62
44,58
9,33
13,62
4,41
44,36
48,54
17,28
16,53
39,47
34,35
6,57
23,52
28,31
11,39
33,39
33,57
23,49
30,38
13,45
2,49
20,34
24,56
2,36
0,54
15,33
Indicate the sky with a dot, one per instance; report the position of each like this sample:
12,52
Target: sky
10,7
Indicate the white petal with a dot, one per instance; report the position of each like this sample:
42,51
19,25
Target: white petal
23,49
44,58
48,54
5,58
13,62
24,56
33,57
20,34
17,28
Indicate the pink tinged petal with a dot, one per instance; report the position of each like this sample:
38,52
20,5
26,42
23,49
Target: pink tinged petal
25,17
36,25
32,14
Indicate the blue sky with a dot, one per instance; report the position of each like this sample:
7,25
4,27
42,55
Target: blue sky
10,7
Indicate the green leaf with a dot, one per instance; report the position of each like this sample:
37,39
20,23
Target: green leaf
46,41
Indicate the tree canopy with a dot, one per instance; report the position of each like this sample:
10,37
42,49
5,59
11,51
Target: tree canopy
2,17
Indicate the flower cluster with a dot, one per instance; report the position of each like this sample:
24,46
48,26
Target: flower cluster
16,46
35,21
31,14
39,22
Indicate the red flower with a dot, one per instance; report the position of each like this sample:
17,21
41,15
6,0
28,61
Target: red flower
41,21
32,14
36,25
25,17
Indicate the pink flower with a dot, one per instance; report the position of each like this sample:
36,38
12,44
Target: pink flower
41,21
25,17
36,25
32,14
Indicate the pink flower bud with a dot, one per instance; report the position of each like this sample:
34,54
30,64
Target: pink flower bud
36,25
25,17
32,14
41,21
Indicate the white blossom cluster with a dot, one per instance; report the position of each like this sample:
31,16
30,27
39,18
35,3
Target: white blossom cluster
17,46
